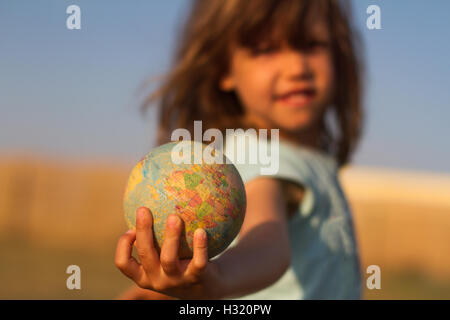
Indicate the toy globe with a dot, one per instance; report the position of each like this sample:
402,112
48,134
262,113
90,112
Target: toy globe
204,194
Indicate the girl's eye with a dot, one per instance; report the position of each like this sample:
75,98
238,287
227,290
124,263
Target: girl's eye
263,50
318,45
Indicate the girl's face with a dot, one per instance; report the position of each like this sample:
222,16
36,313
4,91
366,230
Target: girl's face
281,87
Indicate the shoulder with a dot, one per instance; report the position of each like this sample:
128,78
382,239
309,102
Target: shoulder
299,171
254,157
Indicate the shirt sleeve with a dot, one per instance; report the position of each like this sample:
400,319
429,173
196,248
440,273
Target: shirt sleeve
284,164
291,166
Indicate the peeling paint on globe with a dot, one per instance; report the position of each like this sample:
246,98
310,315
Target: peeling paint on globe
208,196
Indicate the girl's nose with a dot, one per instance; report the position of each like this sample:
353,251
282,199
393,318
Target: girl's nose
296,66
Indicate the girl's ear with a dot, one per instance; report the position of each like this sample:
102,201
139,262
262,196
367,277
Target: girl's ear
227,83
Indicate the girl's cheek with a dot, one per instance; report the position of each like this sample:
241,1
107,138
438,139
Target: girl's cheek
330,80
324,71
255,78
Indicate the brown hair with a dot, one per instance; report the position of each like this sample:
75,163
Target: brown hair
190,91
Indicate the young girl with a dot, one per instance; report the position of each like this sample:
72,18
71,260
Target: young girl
268,64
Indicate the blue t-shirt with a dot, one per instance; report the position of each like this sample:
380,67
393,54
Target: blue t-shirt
324,252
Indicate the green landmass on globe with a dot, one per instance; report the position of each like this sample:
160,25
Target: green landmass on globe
208,196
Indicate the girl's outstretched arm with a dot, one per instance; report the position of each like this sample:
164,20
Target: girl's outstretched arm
259,259
262,253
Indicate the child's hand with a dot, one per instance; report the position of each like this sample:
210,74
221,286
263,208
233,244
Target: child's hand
194,278
136,293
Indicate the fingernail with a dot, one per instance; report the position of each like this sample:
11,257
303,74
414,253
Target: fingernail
200,234
172,221
141,212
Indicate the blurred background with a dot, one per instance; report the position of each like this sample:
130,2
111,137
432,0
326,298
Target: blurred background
70,133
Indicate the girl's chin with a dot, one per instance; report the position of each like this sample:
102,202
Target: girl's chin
295,125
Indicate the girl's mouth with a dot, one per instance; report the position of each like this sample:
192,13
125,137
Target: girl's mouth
297,98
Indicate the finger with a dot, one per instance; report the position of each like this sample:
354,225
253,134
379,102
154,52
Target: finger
169,251
200,257
126,263
145,246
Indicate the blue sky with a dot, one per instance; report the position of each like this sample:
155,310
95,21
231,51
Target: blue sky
73,93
